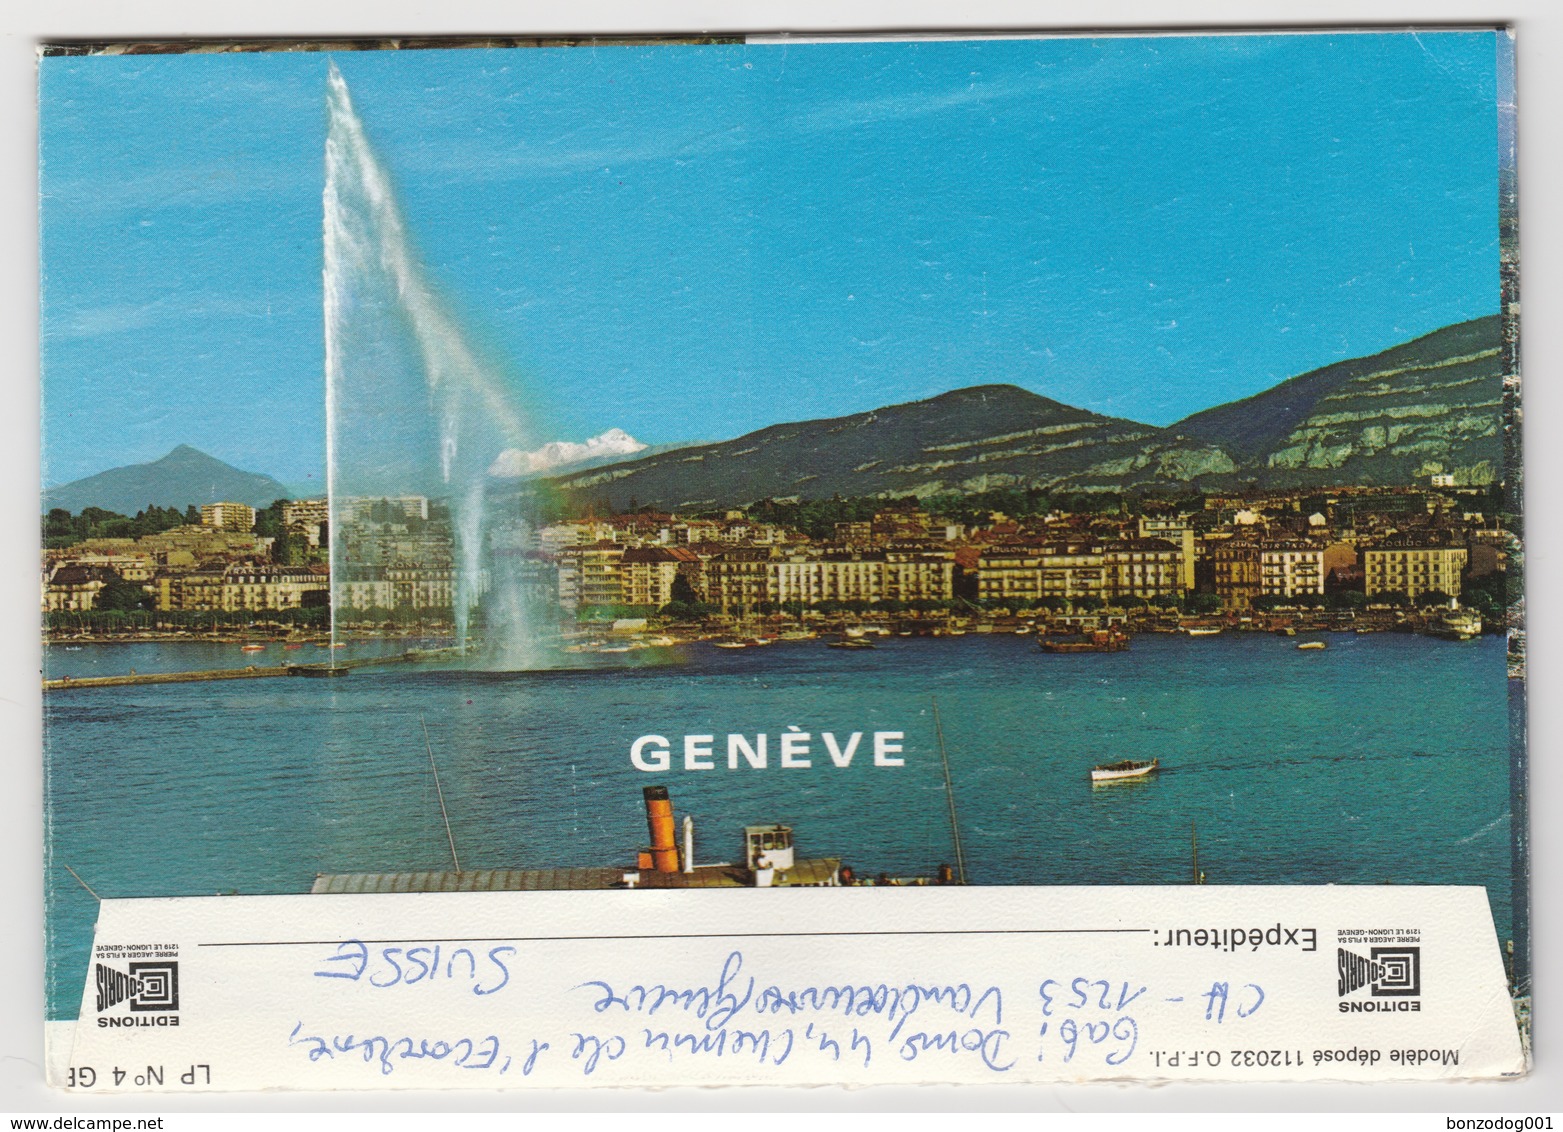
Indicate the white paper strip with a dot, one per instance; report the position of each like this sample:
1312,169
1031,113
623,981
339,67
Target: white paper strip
843,986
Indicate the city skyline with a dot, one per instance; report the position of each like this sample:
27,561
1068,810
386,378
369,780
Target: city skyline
641,233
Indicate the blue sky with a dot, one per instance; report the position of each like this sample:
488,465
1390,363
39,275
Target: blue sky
692,242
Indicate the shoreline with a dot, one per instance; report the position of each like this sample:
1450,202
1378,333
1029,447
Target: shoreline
1320,621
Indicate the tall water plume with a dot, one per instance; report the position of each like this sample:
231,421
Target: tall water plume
412,409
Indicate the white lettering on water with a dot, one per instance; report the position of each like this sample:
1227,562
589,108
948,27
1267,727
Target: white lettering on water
653,754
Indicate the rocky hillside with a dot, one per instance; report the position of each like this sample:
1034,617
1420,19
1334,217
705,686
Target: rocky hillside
1428,406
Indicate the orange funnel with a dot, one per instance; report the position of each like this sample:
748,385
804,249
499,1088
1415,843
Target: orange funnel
659,819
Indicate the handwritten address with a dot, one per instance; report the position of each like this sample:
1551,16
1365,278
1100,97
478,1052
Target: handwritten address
740,1013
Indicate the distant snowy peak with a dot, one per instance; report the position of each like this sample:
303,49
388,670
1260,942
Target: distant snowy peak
514,463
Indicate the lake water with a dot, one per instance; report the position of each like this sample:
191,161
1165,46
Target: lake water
1383,758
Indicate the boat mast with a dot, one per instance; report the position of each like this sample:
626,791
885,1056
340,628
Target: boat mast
949,794
429,746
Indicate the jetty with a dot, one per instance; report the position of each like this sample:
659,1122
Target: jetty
252,672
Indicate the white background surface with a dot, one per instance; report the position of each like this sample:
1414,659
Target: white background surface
1540,52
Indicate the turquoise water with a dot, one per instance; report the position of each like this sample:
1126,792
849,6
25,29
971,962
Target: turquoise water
1384,758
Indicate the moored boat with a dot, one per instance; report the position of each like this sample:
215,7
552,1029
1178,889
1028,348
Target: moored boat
1456,625
1128,768
1311,645
1203,630
1100,640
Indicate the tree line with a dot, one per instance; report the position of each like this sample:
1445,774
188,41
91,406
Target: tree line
62,529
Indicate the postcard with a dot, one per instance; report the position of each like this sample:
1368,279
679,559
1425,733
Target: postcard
738,561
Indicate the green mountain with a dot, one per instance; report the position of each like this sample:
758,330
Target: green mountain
183,477
1433,404
968,440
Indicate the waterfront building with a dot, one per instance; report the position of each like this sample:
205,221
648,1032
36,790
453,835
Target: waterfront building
911,576
648,574
270,587
70,588
191,591
1414,563
1179,531
1145,567
1291,569
1012,573
735,579
239,587
1236,567
591,575
426,588
228,516
1022,574
364,594
809,580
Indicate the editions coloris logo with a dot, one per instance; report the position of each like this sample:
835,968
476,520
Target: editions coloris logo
149,989
1392,977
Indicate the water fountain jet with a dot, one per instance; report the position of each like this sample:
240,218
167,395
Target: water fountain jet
412,409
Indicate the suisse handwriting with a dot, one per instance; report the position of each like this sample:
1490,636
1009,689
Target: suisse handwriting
397,966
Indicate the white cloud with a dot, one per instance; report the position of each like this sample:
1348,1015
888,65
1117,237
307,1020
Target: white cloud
514,463
61,321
